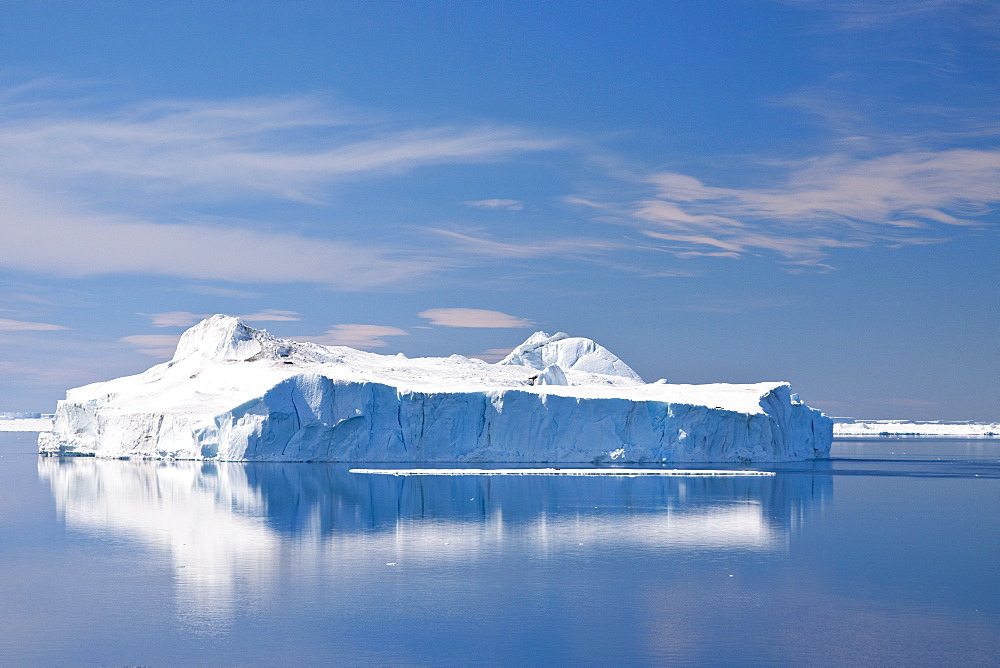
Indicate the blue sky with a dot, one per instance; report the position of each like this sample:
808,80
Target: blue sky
717,191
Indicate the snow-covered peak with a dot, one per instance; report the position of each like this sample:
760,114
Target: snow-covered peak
571,353
223,338
539,339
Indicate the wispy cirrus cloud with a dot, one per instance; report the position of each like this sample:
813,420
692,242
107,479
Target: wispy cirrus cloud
272,315
8,325
478,243
175,318
285,147
47,237
363,337
89,192
187,319
492,355
508,204
473,317
154,345
862,15
822,204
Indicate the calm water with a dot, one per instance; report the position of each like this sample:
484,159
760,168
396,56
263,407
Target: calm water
887,554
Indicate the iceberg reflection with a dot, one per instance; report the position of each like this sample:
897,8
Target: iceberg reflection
234,532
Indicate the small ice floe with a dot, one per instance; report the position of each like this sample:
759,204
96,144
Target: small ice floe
568,472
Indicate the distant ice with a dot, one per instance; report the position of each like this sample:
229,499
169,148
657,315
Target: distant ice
25,424
876,428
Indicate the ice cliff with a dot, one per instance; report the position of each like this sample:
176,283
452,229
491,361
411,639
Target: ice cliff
235,393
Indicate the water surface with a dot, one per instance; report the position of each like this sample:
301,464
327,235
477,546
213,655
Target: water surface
886,554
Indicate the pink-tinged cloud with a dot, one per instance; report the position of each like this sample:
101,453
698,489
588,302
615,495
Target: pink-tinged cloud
508,204
154,345
823,204
8,325
473,317
362,337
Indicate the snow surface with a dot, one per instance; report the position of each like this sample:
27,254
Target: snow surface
235,393
876,428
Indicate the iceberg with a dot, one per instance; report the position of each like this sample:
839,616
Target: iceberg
235,393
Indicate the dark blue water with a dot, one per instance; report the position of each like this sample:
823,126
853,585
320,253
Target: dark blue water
888,554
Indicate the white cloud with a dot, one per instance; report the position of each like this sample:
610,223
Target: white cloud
473,317
576,200
355,336
187,319
947,14
569,247
825,203
175,318
492,355
40,236
8,325
284,147
101,192
154,345
271,315
508,204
